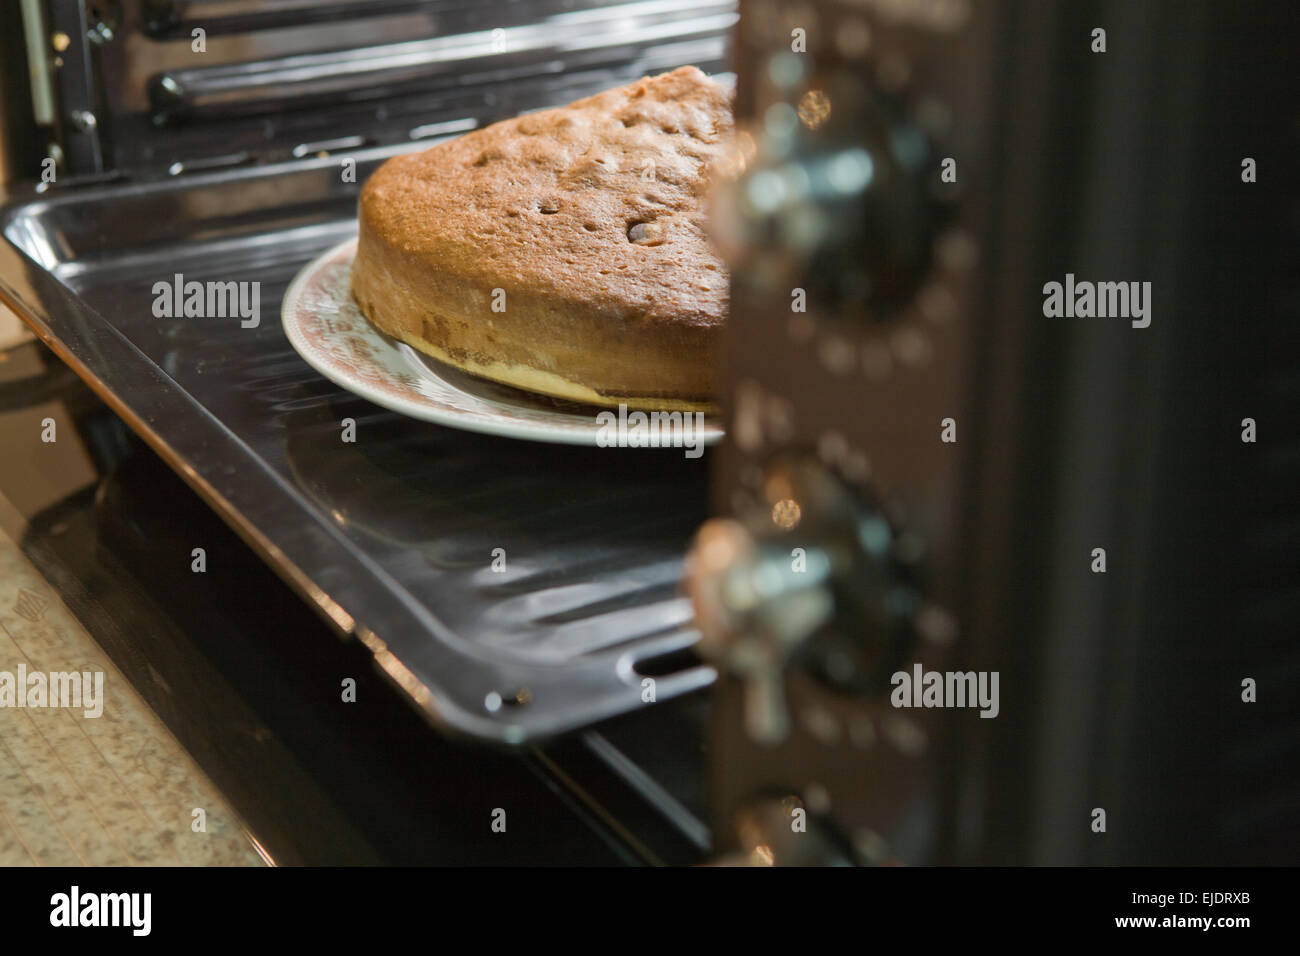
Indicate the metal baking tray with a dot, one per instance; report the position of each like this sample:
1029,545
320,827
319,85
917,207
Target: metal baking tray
390,537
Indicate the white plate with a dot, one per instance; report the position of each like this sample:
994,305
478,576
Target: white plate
327,329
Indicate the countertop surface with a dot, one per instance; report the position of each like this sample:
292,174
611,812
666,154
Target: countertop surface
99,785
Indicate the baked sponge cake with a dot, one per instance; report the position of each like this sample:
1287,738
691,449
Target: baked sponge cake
563,251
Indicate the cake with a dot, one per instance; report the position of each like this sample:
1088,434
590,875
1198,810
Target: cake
563,251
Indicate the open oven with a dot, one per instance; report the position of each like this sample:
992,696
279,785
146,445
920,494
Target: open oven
903,413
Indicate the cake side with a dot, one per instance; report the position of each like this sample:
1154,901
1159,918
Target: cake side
565,350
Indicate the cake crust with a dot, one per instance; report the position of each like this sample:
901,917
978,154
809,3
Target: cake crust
582,225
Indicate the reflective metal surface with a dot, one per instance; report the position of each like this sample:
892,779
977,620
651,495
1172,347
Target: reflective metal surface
246,678
170,81
391,537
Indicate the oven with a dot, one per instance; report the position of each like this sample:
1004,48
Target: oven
923,467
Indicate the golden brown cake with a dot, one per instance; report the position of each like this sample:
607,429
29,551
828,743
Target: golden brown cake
561,252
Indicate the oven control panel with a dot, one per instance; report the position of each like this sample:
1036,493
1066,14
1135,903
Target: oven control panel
850,229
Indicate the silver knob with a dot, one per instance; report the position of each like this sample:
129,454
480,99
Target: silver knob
811,578
753,609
